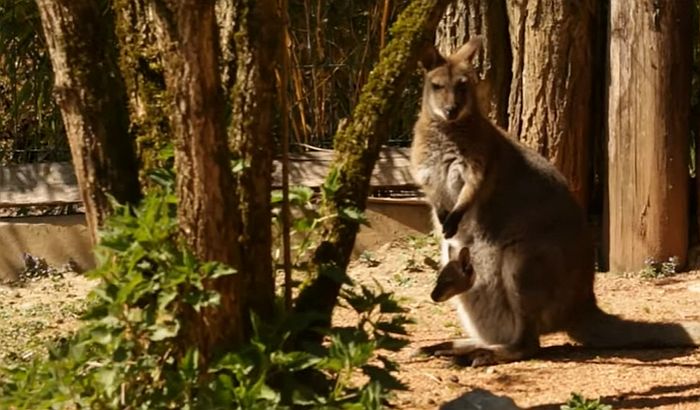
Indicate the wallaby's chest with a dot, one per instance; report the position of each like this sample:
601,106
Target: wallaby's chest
439,166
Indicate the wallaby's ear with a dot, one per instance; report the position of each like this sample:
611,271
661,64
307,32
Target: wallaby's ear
482,92
431,58
469,50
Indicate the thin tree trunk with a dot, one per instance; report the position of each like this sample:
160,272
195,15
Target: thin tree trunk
648,117
465,19
550,97
206,191
142,68
252,95
284,107
357,148
90,93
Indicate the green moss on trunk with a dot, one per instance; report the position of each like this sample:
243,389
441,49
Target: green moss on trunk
252,59
90,92
357,148
208,223
141,65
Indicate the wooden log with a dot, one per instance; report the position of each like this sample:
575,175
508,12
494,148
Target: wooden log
648,117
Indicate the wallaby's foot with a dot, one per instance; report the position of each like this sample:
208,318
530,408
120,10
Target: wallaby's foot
449,227
468,352
463,353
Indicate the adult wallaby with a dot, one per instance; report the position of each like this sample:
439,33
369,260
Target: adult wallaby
450,179
528,241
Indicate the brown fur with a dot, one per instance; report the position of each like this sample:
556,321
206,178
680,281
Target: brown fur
528,240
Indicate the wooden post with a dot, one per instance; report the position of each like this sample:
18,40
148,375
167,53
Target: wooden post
550,96
648,115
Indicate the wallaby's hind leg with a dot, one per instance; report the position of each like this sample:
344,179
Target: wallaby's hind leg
481,354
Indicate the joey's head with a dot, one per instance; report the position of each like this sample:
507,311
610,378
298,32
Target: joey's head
456,277
449,87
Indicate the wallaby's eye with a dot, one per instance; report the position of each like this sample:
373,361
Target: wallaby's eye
437,86
461,85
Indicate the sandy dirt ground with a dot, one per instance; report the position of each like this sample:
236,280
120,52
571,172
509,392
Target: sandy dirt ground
48,308
632,379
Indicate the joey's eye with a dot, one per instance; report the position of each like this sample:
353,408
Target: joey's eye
437,86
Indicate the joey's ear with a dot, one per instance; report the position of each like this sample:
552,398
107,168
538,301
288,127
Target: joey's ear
469,50
431,58
464,257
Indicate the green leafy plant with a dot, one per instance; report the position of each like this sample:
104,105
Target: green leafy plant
654,269
131,351
304,224
368,259
578,402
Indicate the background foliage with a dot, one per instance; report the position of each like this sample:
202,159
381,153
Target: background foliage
31,129
333,47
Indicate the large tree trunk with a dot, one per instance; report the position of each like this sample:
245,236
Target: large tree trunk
549,105
90,92
357,148
252,57
142,68
206,191
648,116
464,19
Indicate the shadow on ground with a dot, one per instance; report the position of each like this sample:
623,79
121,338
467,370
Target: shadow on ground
652,398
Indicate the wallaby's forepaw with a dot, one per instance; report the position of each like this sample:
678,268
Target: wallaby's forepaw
449,227
441,215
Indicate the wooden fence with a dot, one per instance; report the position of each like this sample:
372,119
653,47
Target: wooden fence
59,239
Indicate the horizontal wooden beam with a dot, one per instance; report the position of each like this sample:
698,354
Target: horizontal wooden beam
392,169
38,184
55,183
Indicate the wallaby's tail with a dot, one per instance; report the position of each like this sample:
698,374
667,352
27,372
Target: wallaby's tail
600,329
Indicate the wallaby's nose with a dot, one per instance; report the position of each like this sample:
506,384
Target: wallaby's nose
451,112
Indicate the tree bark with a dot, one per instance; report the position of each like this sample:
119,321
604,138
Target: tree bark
186,31
90,93
648,117
141,66
357,148
464,19
549,104
254,55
